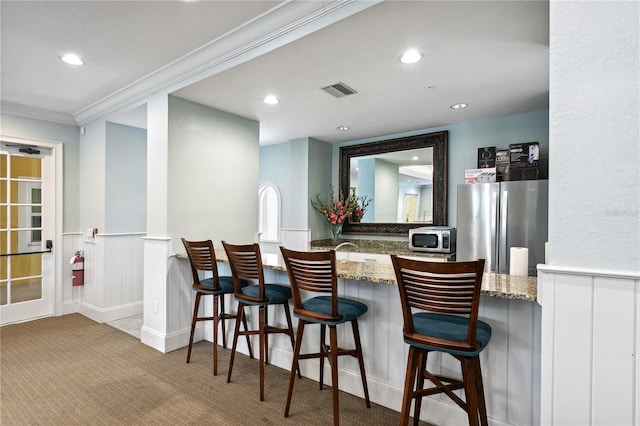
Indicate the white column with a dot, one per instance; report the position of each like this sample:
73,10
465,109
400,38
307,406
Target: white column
157,245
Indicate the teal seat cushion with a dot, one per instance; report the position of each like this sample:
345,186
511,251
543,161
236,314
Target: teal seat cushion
226,284
348,308
275,293
449,327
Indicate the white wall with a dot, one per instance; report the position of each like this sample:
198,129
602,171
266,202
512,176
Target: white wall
590,290
594,135
212,175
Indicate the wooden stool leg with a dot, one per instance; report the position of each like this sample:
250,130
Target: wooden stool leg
194,320
223,315
246,328
482,407
262,319
333,337
413,365
215,334
239,318
356,338
287,314
266,335
323,353
419,385
470,389
295,365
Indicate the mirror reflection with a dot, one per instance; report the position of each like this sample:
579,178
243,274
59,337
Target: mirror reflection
406,179
399,183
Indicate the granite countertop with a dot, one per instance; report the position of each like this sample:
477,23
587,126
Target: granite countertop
493,285
398,247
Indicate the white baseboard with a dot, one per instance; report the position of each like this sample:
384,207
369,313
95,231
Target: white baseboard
71,307
103,315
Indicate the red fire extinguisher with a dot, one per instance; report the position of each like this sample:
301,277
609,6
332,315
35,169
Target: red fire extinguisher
77,269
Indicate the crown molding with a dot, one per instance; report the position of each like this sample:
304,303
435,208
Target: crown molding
275,28
20,110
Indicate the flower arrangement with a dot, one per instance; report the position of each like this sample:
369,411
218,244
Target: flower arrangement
337,210
357,205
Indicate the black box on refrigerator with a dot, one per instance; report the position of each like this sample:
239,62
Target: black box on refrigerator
502,164
487,157
524,159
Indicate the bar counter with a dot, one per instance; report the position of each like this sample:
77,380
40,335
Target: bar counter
493,285
510,362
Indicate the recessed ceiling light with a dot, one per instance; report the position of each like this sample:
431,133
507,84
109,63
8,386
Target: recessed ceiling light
271,100
71,58
414,158
342,128
410,56
459,106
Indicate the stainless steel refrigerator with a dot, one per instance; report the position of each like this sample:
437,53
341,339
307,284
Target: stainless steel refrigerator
493,217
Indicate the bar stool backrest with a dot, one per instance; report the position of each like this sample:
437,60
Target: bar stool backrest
449,288
312,272
202,258
246,263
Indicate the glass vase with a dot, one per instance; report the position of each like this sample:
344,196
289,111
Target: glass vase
336,229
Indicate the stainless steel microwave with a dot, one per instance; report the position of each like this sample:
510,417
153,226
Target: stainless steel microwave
433,239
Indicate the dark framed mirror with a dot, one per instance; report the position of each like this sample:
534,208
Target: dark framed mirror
406,179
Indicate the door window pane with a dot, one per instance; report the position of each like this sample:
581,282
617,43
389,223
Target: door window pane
25,290
26,167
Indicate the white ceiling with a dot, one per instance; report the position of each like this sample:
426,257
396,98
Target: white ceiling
492,55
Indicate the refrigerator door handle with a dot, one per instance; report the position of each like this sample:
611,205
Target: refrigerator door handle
504,250
494,229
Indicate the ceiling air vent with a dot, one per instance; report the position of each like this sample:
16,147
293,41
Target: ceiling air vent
339,90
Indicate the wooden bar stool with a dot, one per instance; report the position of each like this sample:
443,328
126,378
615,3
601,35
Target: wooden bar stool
246,263
446,296
203,259
315,272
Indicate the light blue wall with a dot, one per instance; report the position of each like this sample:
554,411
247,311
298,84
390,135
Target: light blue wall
319,179
386,191
69,135
274,167
466,138
93,145
300,168
126,179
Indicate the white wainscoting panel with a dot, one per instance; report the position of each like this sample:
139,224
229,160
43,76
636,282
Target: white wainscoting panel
113,275
590,340
295,239
156,281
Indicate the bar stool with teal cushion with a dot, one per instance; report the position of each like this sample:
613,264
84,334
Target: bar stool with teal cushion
202,258
315,273
440,310
246,264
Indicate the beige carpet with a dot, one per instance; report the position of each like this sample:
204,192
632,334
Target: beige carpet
70,370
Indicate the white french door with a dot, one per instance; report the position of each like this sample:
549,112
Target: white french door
27,266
